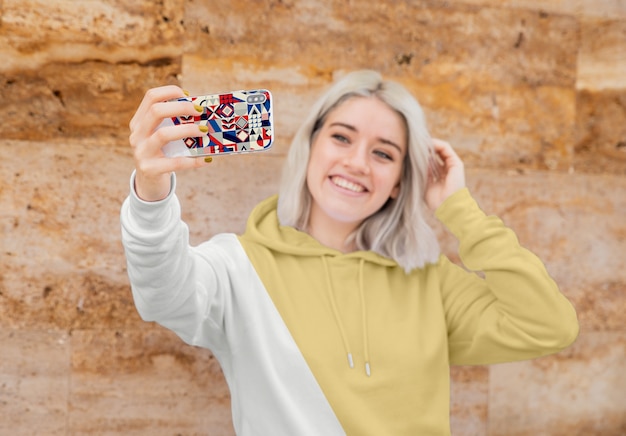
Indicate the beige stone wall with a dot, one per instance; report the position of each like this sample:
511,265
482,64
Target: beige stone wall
532,93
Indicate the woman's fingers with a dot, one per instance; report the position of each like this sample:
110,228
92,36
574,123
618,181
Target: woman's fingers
450,160
152,118
157,105
152,96
151,145
149,134
156,167
447,175
446,153
152,180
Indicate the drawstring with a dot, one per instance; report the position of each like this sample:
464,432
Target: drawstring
366,350
342,331
344,337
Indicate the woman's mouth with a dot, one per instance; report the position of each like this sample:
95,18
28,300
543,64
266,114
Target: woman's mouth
346,184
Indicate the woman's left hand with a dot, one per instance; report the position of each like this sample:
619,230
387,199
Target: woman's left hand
446,175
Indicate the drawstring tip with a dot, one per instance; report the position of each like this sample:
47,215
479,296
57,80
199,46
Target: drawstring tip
350,361
367,369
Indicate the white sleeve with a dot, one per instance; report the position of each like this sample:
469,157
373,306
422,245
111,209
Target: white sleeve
211,297
181,287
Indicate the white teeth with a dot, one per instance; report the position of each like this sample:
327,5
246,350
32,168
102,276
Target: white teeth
343,183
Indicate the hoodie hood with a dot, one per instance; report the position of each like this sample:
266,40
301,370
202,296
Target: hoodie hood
263,227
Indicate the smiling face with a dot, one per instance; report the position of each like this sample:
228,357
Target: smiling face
355,164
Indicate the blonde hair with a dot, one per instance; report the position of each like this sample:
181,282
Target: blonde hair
399,229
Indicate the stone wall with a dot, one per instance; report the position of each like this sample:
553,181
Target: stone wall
531,93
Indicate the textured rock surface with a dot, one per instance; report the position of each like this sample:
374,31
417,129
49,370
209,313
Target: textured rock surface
531,93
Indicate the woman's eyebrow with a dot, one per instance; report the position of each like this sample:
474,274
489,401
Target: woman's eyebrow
354,129
347,126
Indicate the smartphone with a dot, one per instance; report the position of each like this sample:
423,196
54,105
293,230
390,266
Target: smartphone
237,122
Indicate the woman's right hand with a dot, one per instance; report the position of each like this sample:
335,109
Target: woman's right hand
153,168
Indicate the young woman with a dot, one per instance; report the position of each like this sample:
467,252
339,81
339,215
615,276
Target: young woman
334,313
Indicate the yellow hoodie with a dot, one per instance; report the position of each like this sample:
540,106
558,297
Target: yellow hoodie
401,331
315,342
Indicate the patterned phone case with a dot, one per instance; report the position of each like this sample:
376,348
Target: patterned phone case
237,122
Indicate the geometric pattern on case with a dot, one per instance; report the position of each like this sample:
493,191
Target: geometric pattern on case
233,123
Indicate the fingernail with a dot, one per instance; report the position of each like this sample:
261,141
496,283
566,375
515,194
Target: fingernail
186,92
208,159
198,108
203,129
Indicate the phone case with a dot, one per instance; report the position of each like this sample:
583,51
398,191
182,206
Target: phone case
237,122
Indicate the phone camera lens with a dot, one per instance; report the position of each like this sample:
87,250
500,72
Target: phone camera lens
256,99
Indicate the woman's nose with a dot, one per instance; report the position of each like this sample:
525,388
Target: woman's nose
357,159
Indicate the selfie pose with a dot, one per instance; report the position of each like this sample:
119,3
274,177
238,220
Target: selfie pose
335,312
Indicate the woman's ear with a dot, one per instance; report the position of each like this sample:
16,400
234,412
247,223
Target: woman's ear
395,191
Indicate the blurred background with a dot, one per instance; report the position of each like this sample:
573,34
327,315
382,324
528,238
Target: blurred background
531,93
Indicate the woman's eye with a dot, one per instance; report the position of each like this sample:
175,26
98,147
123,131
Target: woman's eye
383,155
340,138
